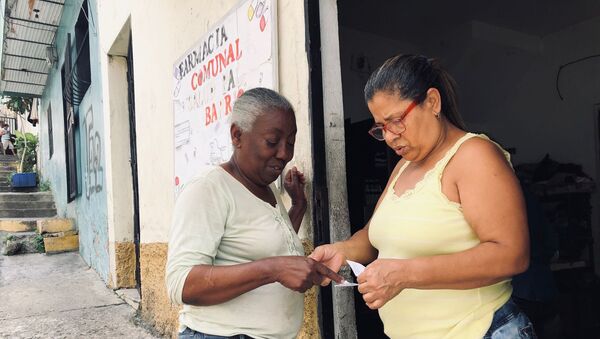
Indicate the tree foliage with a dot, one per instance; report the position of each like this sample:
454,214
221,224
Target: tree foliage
26,146
20,105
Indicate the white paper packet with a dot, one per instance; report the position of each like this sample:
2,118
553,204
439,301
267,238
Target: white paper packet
357,269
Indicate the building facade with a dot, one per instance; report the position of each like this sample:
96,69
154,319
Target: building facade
106,126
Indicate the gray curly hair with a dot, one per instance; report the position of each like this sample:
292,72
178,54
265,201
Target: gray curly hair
256,102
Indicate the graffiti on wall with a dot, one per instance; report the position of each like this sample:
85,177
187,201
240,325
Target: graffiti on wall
94,173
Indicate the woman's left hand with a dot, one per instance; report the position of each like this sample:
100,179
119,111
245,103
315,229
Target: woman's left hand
378,284
294,185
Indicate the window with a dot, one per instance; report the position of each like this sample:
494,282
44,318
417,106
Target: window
76,79
70,125
82,45
50,133
79,73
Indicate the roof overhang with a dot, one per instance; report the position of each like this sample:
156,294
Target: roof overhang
28,46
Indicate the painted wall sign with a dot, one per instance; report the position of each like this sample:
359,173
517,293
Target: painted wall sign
238,53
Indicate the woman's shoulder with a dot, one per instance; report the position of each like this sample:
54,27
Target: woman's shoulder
212,176
481,151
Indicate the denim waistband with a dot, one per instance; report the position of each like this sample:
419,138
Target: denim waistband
510,322
189,333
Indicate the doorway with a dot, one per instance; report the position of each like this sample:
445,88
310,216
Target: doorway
133,162
122,175
510,61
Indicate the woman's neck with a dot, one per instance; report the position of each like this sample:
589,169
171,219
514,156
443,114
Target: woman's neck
449,134
261,191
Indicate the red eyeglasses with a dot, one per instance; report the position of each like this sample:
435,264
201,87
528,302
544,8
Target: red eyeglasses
395,126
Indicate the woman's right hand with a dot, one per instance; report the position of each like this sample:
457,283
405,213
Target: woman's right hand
300,273
331,256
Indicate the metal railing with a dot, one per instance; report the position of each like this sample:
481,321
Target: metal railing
12,123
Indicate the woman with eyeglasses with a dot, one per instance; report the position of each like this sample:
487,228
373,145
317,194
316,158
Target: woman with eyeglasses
450,229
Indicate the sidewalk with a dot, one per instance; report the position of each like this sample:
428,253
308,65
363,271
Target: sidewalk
58,296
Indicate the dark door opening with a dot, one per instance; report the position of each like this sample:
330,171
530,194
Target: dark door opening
367,172
507,68
133,161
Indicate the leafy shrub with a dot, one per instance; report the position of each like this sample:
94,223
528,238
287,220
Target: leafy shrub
39,243
26,143
44,185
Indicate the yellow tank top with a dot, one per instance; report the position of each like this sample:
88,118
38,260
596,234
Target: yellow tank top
424,222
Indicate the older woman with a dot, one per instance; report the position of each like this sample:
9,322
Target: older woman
449,230
235,261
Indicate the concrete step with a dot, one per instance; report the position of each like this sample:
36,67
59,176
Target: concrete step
8,168
21,205
24,189
61,242
55,225
18,224
131,296
28,213
27,197
8,157
20,190
42,225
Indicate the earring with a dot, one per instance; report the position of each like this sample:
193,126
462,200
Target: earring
437,114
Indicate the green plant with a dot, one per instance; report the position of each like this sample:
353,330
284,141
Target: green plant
26,146
20,105
44,185
10,175
10,237
39,243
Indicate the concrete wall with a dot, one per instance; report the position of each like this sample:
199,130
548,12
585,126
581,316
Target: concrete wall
339,220
175,29
104,215
113,17
89,208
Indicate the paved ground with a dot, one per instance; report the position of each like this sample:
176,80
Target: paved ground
58,296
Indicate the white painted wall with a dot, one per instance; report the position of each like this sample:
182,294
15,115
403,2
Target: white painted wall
113,21
187,21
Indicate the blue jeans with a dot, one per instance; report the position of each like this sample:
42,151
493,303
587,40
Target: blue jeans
188,333
510,323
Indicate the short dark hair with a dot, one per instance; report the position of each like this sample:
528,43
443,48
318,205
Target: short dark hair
410,76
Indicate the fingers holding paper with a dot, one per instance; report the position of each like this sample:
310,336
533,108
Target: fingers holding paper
331,256
378,283
301,273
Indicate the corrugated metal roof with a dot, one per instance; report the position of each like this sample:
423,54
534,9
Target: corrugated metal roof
29,30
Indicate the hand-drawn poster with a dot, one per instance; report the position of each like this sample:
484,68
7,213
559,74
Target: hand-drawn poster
237,54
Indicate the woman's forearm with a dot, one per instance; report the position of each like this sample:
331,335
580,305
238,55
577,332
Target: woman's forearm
358,248
296,213
483,265
210,285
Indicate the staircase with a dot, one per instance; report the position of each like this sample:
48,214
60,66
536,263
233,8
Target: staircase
8,165
24,216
